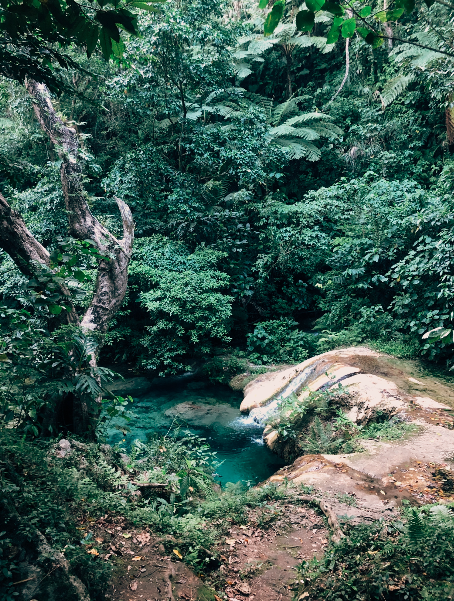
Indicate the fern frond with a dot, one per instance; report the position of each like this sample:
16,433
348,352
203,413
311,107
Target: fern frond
329,130
259,46
286,109
416,526
300,150
308,117
242,70
306,133
395,87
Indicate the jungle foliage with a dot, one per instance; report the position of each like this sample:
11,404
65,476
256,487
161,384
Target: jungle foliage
291,193
261,198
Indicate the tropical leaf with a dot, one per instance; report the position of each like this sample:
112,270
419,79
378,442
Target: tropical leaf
395,87
242,70
300,150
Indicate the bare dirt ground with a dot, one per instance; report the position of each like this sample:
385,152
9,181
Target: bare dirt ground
257,560
261,563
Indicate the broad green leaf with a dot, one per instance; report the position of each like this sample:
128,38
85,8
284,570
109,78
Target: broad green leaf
4,358
333,34
363,32
365,11
305,20
393,15
92,39
118,49
274,17
263,3
348,28
55,309
381,16
315,5
106,43
80,276
333,8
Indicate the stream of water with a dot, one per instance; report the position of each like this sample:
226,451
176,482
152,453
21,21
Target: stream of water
212,412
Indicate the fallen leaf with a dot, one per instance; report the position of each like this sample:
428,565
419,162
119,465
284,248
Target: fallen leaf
127,535
133,585
178,554
243,527
217,598
382,492
93,552
143,538
98,540
137,558
230,541
303,596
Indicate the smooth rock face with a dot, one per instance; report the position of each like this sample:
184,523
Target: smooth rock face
263,389
428,403
203,414
369,475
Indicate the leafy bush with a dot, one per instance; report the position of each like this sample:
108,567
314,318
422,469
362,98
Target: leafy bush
412,559
393,429
279,341
184,296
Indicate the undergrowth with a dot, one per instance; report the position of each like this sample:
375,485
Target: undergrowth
319,424
411,559
60,494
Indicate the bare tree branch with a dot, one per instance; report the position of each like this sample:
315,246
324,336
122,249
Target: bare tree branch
26,252
112,278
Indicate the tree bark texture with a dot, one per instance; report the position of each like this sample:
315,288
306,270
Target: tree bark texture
112,278
29,255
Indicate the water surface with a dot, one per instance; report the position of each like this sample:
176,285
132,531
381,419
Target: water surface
212,412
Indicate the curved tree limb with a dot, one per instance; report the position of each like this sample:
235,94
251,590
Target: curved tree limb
112,278
347,70
26,252
329,513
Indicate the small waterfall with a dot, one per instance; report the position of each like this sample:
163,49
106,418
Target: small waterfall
260,414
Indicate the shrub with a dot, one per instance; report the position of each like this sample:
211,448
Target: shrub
411,559
279,341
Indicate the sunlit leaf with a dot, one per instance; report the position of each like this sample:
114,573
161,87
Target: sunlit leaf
348,28
333,34
274,17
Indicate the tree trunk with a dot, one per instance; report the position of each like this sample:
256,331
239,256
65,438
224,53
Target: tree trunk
29,254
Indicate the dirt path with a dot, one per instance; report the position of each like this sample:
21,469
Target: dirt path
261,564
258,560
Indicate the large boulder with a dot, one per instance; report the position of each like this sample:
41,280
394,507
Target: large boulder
380,473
